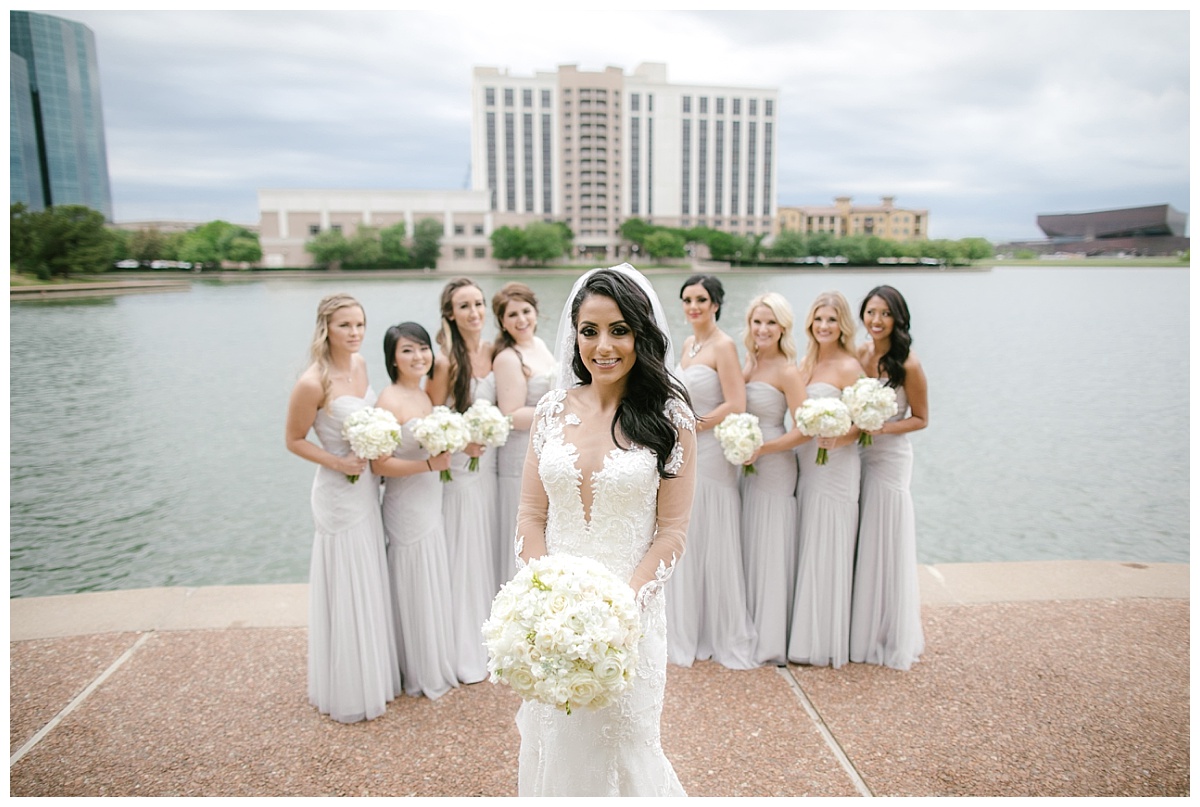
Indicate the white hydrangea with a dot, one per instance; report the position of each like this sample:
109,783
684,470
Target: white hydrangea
823,417
442,430
871,403
372,433
489,426
564,631
740,436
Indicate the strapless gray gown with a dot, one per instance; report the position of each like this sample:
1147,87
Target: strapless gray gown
353,669
419,569
885,621
707,615
769,536
828,501
472,524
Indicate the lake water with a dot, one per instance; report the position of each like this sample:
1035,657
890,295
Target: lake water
146,444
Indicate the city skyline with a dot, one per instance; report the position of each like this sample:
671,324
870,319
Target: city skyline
942,110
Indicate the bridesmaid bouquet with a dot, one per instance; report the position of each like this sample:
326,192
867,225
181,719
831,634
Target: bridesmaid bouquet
564,631
823,417
870,403
489,427
739,436
372,433
442,430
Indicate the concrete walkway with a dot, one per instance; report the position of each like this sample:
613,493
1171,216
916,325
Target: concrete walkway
1064,678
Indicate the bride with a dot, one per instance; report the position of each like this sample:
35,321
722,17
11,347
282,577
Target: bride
609,475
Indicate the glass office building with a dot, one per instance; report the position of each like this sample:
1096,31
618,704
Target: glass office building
57,154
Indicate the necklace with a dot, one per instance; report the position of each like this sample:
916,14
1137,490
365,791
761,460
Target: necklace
349,373
696,347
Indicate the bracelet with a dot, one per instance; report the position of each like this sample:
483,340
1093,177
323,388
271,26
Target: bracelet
427,465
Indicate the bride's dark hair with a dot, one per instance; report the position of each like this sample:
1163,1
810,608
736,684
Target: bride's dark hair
649,384
891,364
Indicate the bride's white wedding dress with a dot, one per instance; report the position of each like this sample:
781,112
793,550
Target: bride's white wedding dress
634,523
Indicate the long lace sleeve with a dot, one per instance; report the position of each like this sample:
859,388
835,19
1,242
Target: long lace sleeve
534,504
674,509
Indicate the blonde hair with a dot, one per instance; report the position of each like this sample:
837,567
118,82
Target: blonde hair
834,300
782,311
318,351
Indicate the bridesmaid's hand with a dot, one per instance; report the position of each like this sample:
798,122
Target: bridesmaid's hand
440,462
827,442
474,449
350,465
753,457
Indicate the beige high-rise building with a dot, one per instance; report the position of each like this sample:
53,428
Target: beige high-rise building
842,219
593,149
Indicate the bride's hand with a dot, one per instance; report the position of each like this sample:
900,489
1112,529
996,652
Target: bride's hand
474,449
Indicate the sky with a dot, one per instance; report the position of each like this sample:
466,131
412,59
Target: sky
986,119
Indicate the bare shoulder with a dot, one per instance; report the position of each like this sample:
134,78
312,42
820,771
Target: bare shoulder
506,359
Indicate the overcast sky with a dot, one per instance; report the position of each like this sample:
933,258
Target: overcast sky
985,118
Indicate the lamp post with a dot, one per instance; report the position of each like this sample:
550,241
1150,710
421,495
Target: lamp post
634,250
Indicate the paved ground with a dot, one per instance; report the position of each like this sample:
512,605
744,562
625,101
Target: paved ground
1039,679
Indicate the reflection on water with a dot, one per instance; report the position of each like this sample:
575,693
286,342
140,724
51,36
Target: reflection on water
146,444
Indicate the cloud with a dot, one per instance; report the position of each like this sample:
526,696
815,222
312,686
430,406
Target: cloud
984,118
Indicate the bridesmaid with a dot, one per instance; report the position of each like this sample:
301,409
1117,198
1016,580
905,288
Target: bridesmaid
707,616
352,664
524,370
827,497
885,622
462,372
412,521
774,389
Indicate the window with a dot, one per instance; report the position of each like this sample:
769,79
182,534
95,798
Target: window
459,229
545,99
476,229
687,104
720,106
337,228
753,102
526,98
508,97
768,107
314,229
460,252
635,102
489,95
703,104
480,252
737,106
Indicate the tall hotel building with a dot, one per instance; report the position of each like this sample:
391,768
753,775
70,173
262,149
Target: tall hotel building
593,149
57,153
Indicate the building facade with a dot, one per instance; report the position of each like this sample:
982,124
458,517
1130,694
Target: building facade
884,220
57,151
593,149
1158,230
289,218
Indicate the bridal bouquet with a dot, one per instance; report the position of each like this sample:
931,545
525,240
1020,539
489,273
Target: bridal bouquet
372,433
489,427
823,417
870,404
739,436
442,430
564,631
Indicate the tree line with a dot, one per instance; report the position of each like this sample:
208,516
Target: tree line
74,240
379,248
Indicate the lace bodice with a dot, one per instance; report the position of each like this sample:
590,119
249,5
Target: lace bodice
584,496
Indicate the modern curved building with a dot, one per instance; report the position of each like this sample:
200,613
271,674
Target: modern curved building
57,152
1150,230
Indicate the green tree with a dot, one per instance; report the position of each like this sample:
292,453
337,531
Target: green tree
724,246
243,249
788,244
636,231
665,244
22,238
977,249
365,248
147,245
199,248
328,248
392,242
70,239
822,243
508,244
427,246
544,242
